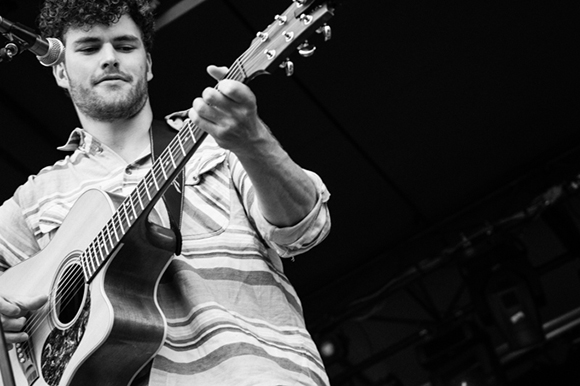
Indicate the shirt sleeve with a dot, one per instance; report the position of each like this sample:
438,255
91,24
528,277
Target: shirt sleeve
17,241
286,241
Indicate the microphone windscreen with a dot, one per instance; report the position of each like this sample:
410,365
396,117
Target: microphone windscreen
54,53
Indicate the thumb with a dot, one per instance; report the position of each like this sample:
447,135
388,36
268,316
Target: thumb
218,73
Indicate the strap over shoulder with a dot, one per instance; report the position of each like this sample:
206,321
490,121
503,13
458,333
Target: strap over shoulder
161,136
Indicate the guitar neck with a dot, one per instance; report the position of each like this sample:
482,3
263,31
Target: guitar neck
267,51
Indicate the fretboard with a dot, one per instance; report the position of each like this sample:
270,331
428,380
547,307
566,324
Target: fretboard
148,191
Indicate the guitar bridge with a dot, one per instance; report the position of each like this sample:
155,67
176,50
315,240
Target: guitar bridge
26,361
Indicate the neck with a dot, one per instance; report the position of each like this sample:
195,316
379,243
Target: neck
126,137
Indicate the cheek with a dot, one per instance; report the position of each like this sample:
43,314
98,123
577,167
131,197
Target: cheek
79,76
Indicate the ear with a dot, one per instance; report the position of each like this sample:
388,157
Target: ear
149,67
60,74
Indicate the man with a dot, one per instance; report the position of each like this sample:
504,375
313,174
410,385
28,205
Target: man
232,316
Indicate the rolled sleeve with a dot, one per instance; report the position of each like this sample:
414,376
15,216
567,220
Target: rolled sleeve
299,238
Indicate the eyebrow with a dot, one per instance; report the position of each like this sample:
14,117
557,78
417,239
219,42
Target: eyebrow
117,39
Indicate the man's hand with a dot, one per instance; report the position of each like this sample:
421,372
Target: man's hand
229,113
13,315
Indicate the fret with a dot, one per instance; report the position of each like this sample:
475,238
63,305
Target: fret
102,244
132,207
98,259
181,145
155,181
100,255
162,170
192,134
172,161
139,197
125,218
110,235
91,261
86,262
146,188
117,238
93,256
128,215
120,222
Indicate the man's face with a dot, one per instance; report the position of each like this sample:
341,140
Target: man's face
106,70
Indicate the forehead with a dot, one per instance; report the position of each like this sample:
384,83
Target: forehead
125,26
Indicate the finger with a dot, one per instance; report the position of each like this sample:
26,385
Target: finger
236,92
8,308
212,97
15,337
204,117
202,112
13,324
218,73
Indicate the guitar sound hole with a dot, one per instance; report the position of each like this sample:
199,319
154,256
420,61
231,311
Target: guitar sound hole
70,294
72,303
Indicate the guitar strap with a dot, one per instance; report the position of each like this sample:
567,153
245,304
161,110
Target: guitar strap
161,135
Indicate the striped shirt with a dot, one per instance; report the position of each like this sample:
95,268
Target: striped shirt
233,318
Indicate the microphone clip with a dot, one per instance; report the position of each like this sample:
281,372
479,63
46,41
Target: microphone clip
10,50
14,46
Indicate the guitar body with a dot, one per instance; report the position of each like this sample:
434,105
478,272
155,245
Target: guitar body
111,327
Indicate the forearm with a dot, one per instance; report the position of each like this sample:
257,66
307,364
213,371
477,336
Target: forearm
284,191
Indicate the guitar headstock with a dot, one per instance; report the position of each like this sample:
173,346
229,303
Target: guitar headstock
271,47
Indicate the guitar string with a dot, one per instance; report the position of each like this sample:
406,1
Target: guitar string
71,281
72,289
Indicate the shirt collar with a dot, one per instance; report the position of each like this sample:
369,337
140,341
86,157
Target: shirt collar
81,140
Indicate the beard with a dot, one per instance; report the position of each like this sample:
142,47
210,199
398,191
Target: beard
119,106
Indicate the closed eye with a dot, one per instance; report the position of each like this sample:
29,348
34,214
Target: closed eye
88,49
126,48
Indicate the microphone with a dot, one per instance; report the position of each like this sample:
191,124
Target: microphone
48,51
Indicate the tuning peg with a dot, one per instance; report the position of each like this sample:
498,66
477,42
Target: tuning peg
263,36
288,66
281,19
305,49
326,31
306,19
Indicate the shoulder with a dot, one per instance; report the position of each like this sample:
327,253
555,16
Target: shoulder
53,183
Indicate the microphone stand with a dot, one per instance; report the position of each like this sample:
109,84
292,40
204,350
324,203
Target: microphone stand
5,367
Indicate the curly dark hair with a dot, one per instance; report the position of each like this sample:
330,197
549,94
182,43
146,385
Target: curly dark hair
57,16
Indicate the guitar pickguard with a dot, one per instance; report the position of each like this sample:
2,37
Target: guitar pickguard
60,346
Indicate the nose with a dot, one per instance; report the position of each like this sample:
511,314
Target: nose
109,57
